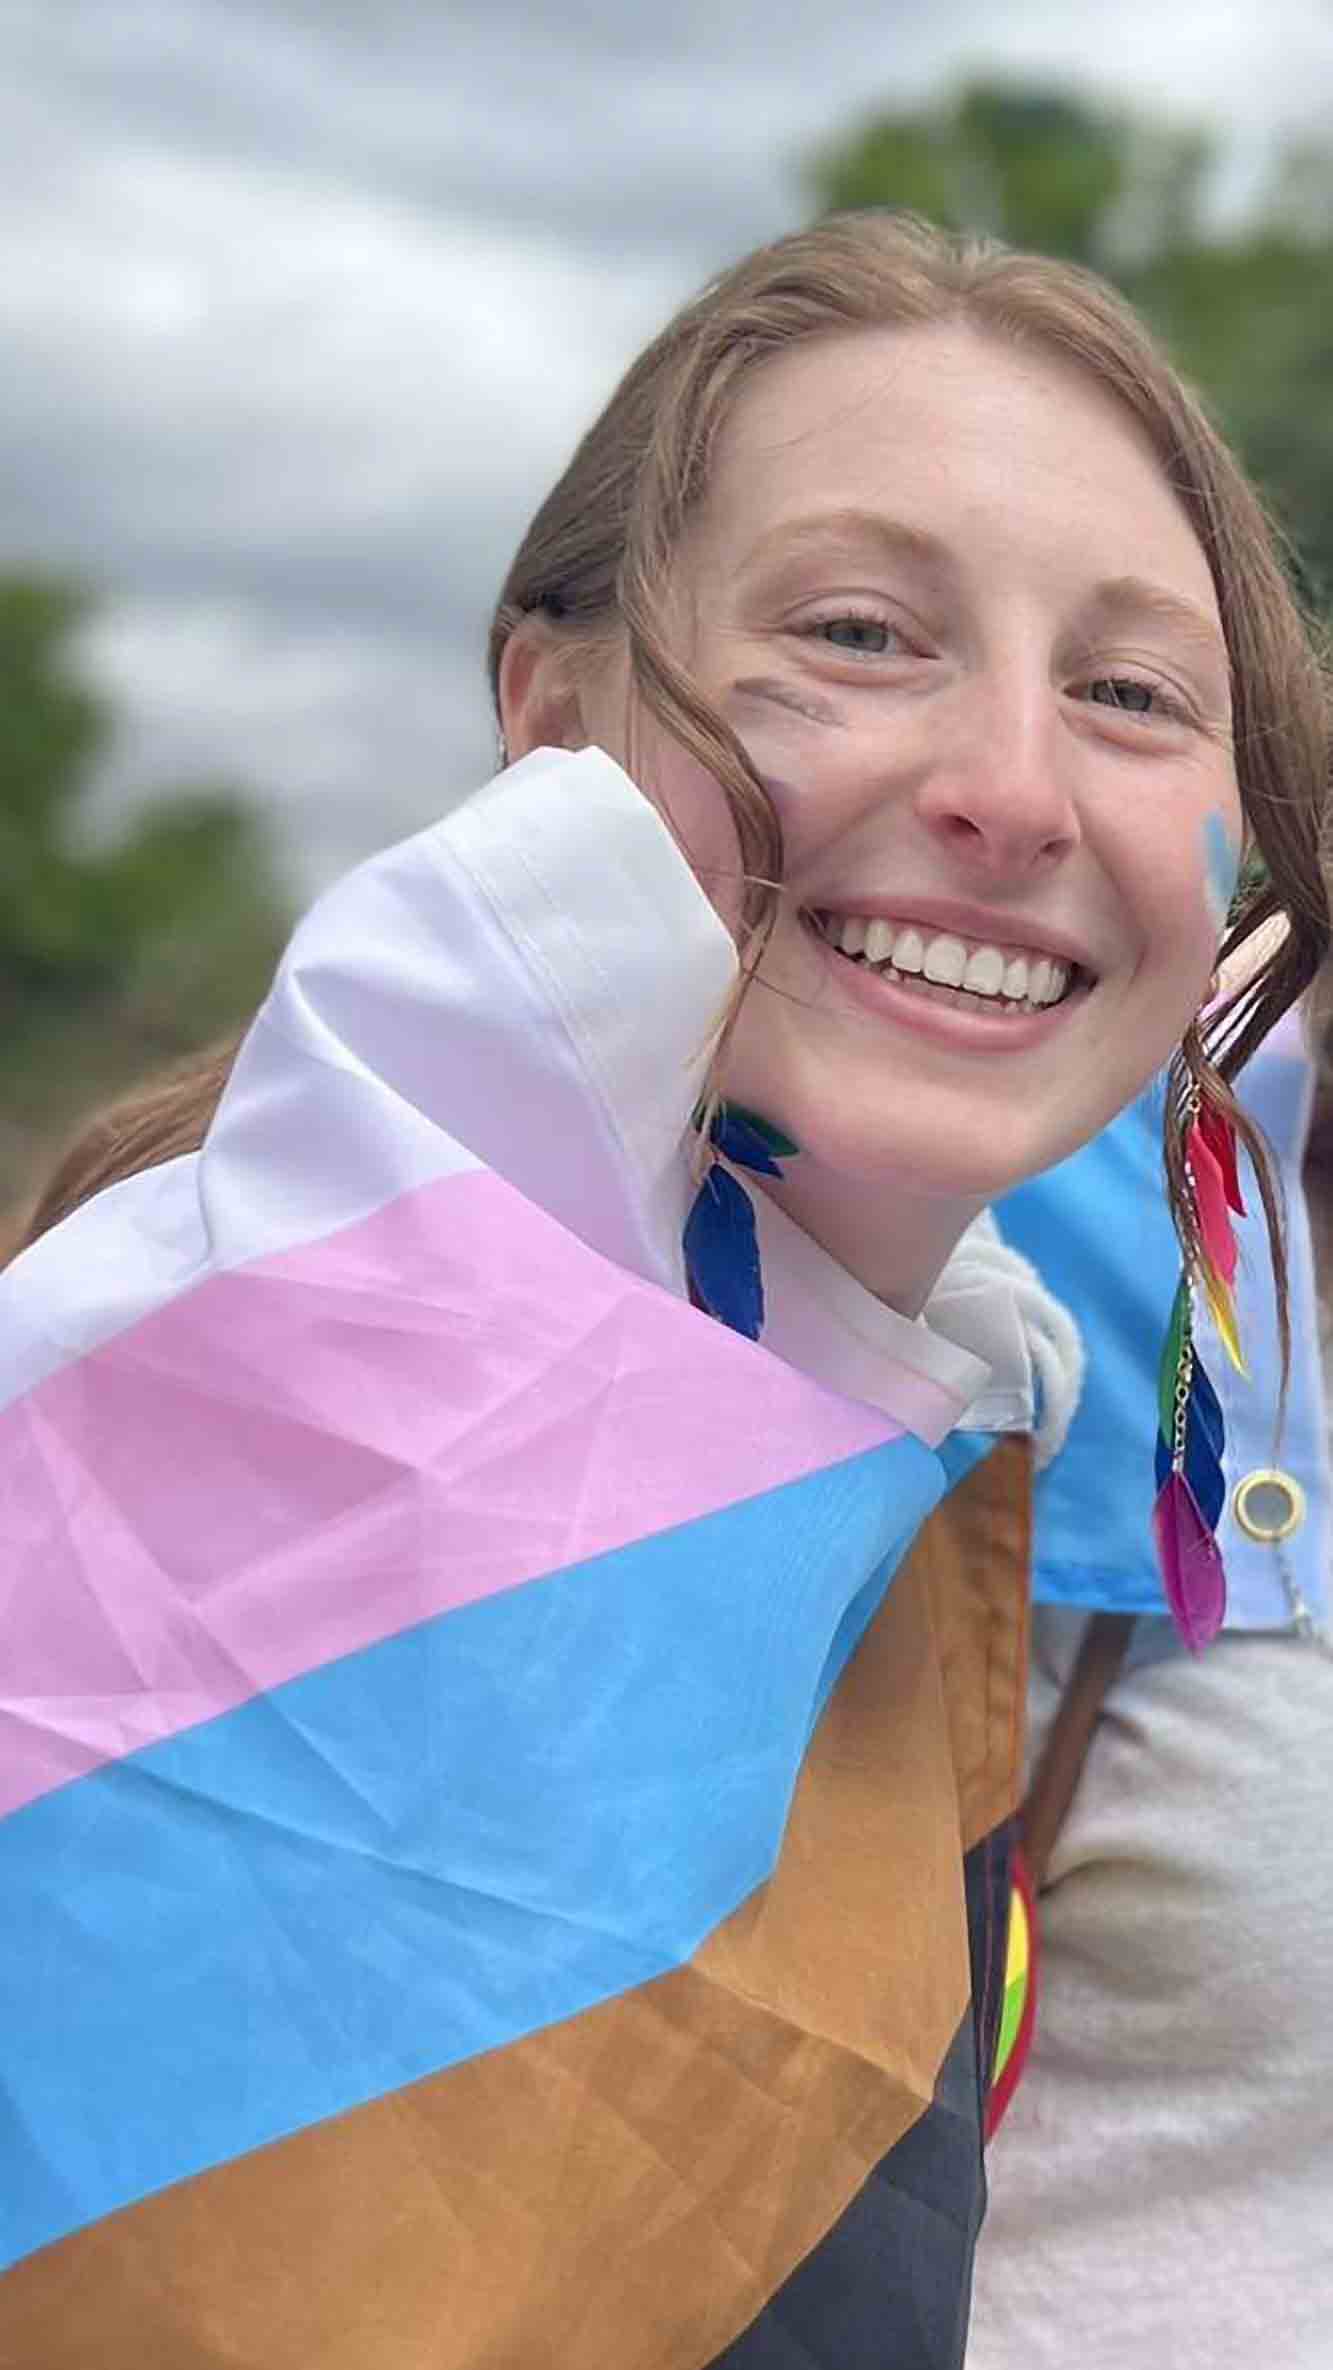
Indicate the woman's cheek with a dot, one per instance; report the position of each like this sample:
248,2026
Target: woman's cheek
778,744
696,811
796,759
1221,869
1182,877
1209,885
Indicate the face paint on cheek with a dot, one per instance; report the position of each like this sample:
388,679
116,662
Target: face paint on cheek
787,710
797,703
1221,870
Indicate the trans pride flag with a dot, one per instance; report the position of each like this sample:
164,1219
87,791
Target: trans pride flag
417,1618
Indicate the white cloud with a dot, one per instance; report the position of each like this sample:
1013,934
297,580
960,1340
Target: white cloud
276,356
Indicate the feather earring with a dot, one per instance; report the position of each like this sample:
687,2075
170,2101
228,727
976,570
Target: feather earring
1210,1162
720,1242
1191,1485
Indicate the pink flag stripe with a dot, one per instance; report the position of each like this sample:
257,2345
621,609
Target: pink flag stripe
305,1455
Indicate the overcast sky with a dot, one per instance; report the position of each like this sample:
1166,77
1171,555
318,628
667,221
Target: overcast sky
303,303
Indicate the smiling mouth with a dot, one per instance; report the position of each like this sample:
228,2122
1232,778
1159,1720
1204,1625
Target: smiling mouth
946,968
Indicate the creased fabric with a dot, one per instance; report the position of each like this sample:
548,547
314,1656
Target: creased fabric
418,1617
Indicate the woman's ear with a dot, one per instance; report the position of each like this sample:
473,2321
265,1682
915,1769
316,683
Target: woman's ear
540,706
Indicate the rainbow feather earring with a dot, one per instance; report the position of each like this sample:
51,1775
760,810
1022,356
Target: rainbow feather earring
1191,1485
720,1242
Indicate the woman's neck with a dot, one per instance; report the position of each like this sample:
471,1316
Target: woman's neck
895,1244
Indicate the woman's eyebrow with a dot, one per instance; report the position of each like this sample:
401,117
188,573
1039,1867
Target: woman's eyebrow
1135,600
894,539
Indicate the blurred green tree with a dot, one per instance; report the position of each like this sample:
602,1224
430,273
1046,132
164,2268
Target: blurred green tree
1246,310
113,958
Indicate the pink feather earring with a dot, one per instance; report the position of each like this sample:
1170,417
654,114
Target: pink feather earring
1191,1486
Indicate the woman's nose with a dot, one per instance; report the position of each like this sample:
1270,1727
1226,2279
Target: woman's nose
1001,795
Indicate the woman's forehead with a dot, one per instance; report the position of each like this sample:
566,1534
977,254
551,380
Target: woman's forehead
947,437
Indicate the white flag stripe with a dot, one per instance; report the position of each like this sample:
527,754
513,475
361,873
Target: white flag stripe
461,974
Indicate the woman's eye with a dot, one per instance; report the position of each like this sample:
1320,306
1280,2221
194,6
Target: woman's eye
1129,693
870,637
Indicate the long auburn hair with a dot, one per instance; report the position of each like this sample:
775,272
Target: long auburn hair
597,560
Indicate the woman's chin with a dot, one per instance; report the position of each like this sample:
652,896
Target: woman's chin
913,1147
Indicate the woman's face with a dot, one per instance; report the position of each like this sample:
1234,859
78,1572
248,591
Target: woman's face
944,595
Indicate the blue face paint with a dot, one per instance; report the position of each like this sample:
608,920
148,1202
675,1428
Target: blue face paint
1222,866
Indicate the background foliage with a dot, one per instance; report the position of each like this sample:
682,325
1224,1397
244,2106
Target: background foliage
113,959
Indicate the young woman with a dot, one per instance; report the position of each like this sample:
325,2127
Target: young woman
490,1772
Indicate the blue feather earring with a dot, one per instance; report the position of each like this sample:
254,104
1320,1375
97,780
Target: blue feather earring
720,1241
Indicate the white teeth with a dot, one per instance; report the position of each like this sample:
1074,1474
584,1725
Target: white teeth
985,971
945,961
1028,981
